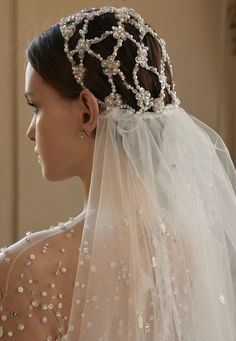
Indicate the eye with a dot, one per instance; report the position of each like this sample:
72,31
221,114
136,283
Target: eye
35,107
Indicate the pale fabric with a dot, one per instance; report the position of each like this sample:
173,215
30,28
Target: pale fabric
36,280
158,250
158,245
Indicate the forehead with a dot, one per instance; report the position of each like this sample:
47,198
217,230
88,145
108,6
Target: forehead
31,78
34,83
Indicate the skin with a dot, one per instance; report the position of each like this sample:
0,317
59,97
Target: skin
55,128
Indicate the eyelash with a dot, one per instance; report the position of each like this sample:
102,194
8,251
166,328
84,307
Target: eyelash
35,110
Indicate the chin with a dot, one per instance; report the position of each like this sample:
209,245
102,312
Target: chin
51,175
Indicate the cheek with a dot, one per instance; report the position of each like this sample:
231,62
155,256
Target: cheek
60,147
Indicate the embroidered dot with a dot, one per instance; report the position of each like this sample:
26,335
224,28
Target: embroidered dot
20,289
20,326
59,305
32,257
4,318
35,304
10,334
44,293
52,285
50,306
44,319
85,250
154,262
30,281
140,320
82,315
163,228
68,235
63,250
221,299
7,260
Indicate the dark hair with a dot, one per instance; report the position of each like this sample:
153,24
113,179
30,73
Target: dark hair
46,55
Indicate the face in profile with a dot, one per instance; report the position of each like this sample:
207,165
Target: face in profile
54,128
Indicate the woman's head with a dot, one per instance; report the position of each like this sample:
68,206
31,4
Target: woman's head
65,104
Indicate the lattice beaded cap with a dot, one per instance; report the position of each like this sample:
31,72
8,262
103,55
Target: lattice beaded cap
111,65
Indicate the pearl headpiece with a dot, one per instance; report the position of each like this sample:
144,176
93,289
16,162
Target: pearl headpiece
111,65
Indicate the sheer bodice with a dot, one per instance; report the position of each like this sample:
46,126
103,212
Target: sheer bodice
37,277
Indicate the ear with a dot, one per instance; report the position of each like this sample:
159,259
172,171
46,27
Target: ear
90,110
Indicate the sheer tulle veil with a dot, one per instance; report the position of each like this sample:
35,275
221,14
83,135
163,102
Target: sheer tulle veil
158,252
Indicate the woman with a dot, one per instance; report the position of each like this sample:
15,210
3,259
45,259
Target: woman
152,256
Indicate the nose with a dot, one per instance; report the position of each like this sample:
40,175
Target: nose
31,130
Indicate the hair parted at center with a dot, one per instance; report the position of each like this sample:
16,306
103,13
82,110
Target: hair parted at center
47,56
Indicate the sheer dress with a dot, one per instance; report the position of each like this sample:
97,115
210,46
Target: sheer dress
37,277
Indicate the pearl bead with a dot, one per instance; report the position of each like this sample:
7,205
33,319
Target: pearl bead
44,319
20,326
